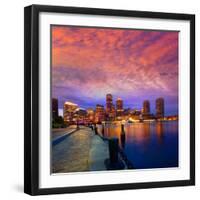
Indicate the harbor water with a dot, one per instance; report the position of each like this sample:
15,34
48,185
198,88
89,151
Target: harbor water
147,144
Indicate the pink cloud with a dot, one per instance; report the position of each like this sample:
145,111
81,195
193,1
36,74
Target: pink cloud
94,61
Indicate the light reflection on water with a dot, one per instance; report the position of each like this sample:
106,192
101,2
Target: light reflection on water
148,144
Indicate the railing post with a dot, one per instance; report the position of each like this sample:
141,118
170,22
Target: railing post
95,129
77,126
122,136
113,150
91,126
122,129
102,130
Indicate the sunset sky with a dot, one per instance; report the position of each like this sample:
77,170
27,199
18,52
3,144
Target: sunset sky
88,63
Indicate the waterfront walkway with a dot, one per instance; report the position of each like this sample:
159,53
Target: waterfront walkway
58,132
80,151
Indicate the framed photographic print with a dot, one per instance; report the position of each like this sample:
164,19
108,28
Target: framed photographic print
108,93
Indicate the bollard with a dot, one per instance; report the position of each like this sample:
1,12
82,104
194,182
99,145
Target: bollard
91,126
122,136
95,129
123,140
102,130
113,150
122,129
77,126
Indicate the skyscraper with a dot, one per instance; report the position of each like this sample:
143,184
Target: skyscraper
146,107
160,108
113,112
99,113
80,116
54,108
109,103
90,115
119,107
69,111
110,108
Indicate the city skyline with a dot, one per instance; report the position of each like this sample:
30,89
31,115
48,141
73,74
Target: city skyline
135,65
117,105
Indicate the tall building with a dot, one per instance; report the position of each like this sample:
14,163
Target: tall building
90,115
54,108
119,107
99,113
110,107
146,107
80,116
160,108
109,103
69,111
112,114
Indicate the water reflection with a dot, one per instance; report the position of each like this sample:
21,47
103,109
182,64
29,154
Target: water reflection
147,145
160,132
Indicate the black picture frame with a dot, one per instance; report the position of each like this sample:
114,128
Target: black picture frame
31,98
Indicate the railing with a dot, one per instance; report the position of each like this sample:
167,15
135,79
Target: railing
115,151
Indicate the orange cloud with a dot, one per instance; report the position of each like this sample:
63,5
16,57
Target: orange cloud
93,61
